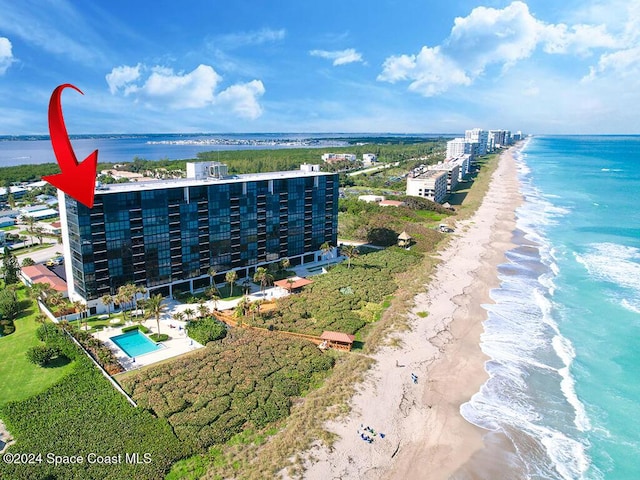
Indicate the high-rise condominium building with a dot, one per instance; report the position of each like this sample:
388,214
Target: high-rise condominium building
166,235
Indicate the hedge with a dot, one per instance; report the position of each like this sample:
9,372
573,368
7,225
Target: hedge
83,414
246,379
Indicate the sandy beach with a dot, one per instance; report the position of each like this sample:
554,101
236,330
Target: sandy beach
425,436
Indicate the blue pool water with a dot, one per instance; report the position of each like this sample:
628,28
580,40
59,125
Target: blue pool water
134,343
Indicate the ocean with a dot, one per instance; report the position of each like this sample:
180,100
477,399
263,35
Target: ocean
563,396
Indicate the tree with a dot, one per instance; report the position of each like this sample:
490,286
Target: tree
189,313
10,267
178,316
30,221
107,300
38,292
285,263
42,320
349,251
326,250
211,293
253,308
27,262
9,305
231,276
263,277
203,310
125,296
155,308
38,231
212,273
290,282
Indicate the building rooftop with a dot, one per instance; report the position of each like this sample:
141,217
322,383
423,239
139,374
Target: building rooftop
189,182
337,337
427,174
40,274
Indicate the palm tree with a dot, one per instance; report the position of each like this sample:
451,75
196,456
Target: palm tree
189,313
253,308
38,291
290,282
212,273
326,250
350,251
231,276
135,290
38,231
285,263
30,224
263,277
154,308
178,316
203,310
77,306
107,300
211,293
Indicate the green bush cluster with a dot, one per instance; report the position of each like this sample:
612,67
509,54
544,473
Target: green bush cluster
84,414
246,379
341,299
130,328
96,348
206,330
159,337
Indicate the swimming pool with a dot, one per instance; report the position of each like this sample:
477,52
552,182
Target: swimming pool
134,343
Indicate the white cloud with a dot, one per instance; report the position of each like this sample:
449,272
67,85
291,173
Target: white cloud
487,37
6,55
339,57
251,38
160,86
622,64
122,76
431,71
242,99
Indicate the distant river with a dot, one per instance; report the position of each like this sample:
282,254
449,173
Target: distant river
123,148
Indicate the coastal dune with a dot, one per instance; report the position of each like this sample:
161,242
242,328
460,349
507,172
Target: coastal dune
416,427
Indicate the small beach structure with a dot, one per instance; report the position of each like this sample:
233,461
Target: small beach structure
338,340
404,239
293,283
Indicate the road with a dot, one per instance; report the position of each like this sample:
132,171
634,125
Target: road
40,256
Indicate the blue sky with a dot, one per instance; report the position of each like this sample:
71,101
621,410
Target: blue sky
540,66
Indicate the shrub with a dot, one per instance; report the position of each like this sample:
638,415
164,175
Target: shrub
41,354
159,337
130,328
206,330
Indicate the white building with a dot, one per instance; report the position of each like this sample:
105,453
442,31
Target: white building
338,157
452,170
369,158
431,184
458,147
371,198
464,165
479,137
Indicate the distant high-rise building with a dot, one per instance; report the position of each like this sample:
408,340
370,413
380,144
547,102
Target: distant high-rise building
479,137
166,235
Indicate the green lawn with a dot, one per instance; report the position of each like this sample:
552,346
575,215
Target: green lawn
20,379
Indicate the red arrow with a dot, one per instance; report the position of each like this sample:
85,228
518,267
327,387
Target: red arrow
78,180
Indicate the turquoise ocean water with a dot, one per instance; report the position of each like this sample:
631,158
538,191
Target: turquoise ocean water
563,398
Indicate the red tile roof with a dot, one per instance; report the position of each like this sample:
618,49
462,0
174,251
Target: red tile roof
337,337
297,283
41,274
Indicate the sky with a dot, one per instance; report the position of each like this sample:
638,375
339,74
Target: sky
400,66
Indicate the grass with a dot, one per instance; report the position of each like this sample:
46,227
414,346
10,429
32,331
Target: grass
23,250
20,379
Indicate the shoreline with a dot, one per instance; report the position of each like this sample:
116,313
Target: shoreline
425,434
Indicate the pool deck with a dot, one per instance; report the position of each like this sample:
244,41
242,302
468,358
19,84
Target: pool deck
178,344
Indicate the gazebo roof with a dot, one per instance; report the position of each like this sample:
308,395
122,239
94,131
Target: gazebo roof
337,337
297,283
404,236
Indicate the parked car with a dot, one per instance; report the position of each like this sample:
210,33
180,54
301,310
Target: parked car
59,260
